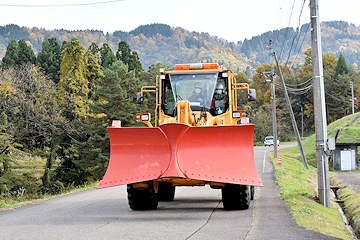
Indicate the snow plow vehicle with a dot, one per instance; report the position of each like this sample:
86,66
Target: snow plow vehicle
199,138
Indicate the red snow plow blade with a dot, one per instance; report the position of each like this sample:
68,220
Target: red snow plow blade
213,153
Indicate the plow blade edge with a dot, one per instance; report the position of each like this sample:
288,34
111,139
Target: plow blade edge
215,153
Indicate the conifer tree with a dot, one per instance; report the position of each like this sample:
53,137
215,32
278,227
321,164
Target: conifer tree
115,99
107,56
11,57
49,59
26,54
94,49
131,58
341,67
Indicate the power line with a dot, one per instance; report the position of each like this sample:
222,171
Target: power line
280,13
302,42
296,33
297,91
287,30
335,98
299,84
59,5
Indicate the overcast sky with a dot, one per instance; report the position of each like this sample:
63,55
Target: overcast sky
232,20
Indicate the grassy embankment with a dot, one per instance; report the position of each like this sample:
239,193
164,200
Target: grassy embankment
28,170
299,186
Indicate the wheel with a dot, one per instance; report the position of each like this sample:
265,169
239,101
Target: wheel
142,199
252,192
235,196
166,191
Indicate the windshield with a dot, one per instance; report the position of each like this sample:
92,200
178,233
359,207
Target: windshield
197,88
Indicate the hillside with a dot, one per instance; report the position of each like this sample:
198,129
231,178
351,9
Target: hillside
336,37
160,42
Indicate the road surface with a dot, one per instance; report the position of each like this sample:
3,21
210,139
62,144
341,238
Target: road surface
196,213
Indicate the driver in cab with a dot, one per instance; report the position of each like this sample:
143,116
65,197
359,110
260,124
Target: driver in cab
219,100
197,95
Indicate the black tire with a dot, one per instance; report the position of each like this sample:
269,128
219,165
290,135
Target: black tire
144,199
252,192
235,196
166,191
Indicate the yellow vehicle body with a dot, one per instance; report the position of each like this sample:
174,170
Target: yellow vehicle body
197,140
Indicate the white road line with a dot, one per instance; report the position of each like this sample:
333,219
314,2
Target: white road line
265,153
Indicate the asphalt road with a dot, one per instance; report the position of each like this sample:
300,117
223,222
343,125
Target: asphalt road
350,179
196,213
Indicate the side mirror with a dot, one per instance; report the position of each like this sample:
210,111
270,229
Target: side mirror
252,94
139,98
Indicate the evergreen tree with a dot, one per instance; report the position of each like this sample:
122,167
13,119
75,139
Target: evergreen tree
131,58
11,57
341,67
107,56
115,99
49,59
26,54
94,49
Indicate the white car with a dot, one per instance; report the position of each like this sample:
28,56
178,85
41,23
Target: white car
269,140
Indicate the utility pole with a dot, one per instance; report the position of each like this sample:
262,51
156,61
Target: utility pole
272,76
302,121
319,107
352,96
296,130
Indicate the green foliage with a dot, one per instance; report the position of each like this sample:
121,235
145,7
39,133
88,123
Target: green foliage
298,186
121,35
49,59
12,54
131,58
26,54
148,79
18,53
156,42
193,41
341,67
151,30
14,31
117,93
94,49
107,56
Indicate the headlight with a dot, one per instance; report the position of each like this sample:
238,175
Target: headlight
236,115
116,123
145,117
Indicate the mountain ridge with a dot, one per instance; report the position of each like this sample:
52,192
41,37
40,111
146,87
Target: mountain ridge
170,45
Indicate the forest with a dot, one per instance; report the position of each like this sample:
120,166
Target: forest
56,106
171,45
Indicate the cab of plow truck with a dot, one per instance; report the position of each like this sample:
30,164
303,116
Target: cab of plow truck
201,94
194,103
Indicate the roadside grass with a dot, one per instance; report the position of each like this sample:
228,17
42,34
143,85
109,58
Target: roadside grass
27,170
299,189
350,201
7,204
299,186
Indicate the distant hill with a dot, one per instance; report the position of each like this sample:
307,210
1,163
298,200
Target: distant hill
161,42
336,37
